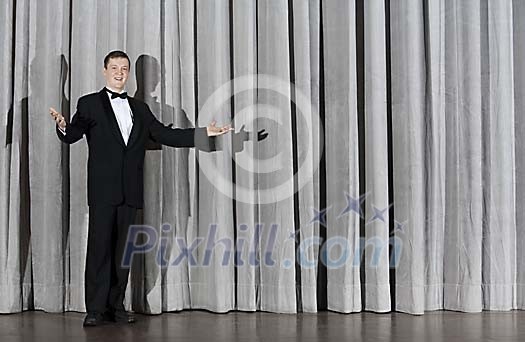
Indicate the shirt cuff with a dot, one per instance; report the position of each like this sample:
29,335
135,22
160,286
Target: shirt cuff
63,131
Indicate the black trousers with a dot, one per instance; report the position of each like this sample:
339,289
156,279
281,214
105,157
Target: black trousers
105,278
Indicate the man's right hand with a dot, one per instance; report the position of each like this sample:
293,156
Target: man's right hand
59,119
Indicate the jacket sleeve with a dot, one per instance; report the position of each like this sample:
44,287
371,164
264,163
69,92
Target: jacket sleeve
177,137
79,125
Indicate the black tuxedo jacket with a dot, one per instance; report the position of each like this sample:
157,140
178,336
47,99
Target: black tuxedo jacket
115,170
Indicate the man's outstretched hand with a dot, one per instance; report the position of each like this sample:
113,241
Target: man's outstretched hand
214,131
59,119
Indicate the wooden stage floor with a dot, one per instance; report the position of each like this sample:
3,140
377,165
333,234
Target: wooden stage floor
261,326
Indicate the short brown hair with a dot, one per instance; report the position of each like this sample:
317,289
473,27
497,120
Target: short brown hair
116,54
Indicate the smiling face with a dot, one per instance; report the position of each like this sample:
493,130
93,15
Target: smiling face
116,73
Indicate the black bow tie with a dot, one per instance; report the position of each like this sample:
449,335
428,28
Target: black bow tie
114,95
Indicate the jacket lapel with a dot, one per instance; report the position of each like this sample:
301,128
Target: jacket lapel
137,122
110,115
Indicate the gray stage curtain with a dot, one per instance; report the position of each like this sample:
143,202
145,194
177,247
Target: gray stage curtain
401,121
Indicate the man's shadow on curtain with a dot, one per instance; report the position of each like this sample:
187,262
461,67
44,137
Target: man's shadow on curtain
24,174
25,198
145,271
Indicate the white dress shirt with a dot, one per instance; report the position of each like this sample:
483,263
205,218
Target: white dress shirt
123,114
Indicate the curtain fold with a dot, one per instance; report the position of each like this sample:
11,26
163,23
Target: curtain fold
412,174
244,47
390,179
377,287
212,285
342,153
518,9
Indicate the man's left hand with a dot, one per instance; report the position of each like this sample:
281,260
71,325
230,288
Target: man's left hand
214,131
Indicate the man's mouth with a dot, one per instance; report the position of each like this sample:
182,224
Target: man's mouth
118,79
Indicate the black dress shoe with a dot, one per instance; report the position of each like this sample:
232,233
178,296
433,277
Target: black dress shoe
123,317
93,319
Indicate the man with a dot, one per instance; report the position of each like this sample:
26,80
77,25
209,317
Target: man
116,128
